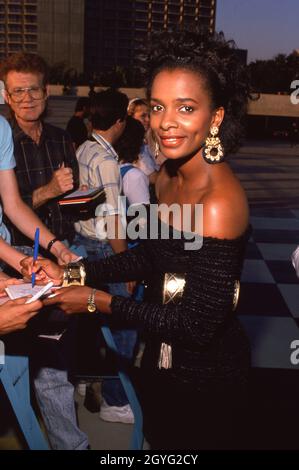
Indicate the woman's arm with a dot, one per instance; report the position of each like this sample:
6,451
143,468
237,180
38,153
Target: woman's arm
131,265
206,305
10,255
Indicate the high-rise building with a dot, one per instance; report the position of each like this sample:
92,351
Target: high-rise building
61,32
93,35
18,26
115,28
53,28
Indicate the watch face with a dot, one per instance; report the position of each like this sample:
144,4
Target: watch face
91,308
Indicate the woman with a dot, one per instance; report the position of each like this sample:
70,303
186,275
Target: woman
134,182
198,92
139,109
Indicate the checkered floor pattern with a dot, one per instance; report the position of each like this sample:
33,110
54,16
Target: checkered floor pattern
269,298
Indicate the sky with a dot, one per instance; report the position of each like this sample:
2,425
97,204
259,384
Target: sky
264,27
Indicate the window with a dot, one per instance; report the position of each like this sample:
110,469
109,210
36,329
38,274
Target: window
31,47
14,37
173,18
158,8
30,18
141,24
30,9
189,10
14,18
30,28
140,15
174,9
30,37
14,9
14,28
15,47
158,17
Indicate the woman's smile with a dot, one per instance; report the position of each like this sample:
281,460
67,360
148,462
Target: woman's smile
171,141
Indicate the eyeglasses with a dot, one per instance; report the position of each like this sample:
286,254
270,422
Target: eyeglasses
35,92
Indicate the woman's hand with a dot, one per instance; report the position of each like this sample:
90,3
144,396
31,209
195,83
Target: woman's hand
14,314
62,253
66,256
45,270
74,300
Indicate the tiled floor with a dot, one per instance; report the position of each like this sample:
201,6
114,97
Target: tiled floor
269,300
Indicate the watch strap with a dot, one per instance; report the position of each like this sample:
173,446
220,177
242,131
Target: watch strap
91,305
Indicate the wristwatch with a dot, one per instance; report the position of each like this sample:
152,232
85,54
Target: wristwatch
91,305
74,274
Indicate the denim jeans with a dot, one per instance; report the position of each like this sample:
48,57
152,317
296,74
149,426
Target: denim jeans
50,362
125,340
55,393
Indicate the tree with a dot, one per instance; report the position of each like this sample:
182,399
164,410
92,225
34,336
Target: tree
56,73
275,75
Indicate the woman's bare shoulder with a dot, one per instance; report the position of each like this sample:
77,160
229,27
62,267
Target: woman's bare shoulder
225,211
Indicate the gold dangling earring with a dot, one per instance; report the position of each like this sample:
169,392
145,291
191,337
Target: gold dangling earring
213,151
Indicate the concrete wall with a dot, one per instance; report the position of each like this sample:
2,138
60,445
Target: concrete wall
273,105
266,105
57,90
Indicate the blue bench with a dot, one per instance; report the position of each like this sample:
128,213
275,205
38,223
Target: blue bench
14,376
137,434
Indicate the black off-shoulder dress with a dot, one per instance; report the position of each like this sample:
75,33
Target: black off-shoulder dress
197,403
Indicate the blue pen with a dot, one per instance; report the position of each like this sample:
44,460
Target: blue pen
35,253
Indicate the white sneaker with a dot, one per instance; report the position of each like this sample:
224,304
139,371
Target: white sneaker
116,414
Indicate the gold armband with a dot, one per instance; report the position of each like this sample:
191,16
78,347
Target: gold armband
74,275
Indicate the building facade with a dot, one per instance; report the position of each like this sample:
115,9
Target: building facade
61,32
114,29
18,26
52,28
93,35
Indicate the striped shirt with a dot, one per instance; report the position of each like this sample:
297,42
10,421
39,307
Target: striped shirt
99,168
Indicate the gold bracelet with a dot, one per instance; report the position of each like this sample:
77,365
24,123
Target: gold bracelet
74,274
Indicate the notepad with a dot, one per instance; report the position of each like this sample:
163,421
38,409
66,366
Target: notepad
82,205
16,291
81,197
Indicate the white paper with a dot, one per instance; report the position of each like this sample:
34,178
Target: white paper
16,291
80,193
55,337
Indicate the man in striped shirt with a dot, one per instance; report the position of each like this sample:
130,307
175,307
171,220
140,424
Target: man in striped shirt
102,236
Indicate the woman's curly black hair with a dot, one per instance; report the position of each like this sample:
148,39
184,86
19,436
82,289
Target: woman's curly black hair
216,61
